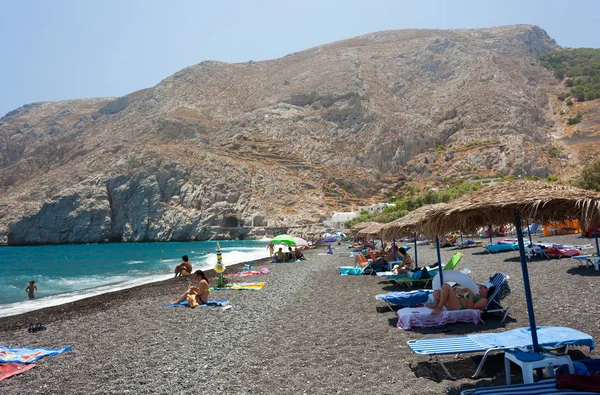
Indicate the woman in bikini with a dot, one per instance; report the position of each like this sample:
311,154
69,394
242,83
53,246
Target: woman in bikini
201,291
406,263
460,298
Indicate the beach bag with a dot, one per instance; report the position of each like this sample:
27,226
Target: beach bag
421,274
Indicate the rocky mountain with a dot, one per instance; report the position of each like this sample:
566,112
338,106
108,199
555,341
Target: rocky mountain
242,150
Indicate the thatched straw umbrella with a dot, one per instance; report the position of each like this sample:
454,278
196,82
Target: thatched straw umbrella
374,229
532,199
361,225
411,222
511,201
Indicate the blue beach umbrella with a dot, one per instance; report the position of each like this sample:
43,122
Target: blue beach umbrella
510,202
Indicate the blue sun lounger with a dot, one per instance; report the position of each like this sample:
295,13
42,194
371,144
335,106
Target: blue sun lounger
540,388
548,337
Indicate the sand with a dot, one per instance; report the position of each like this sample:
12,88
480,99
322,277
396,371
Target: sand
309,330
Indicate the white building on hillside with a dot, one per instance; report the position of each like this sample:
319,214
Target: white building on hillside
376,208
338,219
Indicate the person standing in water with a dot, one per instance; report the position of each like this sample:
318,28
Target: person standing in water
271,248
30,289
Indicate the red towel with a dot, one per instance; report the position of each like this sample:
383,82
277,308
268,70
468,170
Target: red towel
10,369
578,382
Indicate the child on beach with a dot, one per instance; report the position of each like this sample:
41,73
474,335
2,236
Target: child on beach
32,287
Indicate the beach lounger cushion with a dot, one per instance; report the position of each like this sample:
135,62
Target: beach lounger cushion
410,298
422,317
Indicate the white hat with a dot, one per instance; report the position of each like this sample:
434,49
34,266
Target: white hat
487,284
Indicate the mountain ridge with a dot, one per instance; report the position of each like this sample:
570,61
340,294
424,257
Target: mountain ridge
246,149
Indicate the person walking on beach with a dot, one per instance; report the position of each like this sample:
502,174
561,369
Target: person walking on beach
30,289
184,268
271,248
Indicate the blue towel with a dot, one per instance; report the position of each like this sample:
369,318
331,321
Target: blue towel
549,336
210,303
350,270
28,355
406,298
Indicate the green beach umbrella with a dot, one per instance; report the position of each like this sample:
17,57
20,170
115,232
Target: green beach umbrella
284,239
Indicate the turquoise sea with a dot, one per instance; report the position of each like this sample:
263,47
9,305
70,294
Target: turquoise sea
64,273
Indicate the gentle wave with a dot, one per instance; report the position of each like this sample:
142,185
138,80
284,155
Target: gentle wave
61,289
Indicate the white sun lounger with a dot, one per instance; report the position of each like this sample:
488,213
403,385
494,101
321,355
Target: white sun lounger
548,337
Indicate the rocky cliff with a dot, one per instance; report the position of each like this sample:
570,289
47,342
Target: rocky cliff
240,150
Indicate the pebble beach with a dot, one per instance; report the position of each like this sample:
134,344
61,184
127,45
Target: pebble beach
309,330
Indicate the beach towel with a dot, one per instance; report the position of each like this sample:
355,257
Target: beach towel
554,336
210,303
10,369
240,286
261,272
28,355
421,317
406,298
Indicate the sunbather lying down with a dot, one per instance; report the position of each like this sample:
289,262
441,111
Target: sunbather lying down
459,298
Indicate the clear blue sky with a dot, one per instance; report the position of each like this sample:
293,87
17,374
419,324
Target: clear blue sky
68,49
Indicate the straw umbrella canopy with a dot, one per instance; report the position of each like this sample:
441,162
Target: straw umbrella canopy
361,225
374,229
411,222
512,201
532,199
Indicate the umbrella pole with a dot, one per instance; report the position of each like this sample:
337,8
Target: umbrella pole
532,326
437,245
394,247
416,259
596,237
529,233
462,242
490,233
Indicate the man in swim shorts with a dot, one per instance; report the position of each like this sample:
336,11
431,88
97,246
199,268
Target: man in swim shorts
184,268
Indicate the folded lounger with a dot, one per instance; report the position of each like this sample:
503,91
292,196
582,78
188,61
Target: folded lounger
548,337
540,388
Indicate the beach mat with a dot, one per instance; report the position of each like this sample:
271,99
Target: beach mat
261,272
10,369
210,303
240,286
28,355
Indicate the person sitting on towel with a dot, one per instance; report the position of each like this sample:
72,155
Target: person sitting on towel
406,264
280,256
299,254
184,268
459,298
201,292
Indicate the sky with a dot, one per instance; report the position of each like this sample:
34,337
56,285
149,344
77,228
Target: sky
70,49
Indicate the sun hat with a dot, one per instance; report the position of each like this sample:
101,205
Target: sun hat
486,284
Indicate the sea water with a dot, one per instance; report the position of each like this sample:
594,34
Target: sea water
65,273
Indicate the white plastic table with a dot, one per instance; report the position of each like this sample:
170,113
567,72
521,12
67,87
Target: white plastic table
527,362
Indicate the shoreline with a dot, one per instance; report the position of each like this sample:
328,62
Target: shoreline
63,310
309,330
